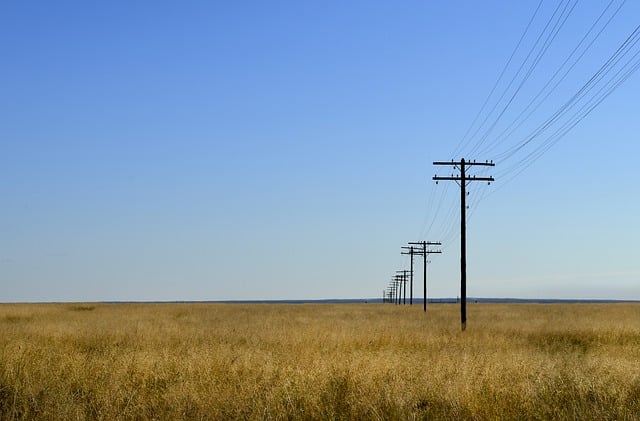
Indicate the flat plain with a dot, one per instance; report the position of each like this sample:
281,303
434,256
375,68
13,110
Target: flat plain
319,361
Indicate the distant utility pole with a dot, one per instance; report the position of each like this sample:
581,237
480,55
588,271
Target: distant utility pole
404,281
410,253
424,251
392,292
462,181
398,283
396,289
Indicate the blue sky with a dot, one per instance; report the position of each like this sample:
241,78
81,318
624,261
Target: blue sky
283,150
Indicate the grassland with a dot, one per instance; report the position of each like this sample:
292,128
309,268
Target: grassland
345,361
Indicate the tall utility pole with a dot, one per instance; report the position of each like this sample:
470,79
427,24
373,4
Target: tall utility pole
424,251
410,253
462,181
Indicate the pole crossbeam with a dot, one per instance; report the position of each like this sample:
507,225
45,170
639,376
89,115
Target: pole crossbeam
454,178
463,179
467,163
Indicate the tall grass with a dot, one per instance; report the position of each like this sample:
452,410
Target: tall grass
356,361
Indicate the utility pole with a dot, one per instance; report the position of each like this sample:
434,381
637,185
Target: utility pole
392,292
410,253
404,281
398,290
424,251
462,181
398,280
403,278
405,284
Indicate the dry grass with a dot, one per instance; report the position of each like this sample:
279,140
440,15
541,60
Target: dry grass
360,361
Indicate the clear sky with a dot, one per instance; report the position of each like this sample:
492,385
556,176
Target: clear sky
201,150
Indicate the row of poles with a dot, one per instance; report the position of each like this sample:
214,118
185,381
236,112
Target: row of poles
398,285
393,293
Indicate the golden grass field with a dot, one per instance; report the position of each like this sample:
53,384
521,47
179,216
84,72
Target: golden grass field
319,361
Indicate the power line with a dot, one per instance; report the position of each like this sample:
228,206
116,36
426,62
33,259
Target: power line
495,85
629,43
510,129
545,47
515,76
